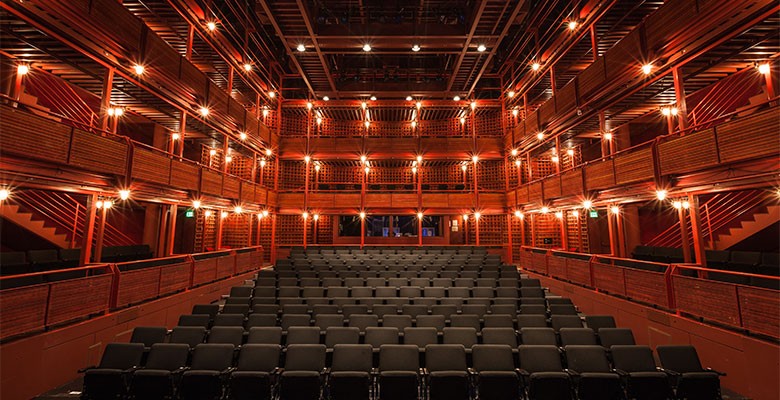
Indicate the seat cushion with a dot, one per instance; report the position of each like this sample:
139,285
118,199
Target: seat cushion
349,374
300,374
152,373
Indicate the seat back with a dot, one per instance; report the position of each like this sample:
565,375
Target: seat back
189,335
445,357
496,336
597,322
226,334
577,336
633,358
168,356
201,320
680,358
122,355
399,357
376,337
616,336
148,335
257,320
420,337
432,321
265,335
305,357
259,357
229,320
465,321
499,321
325,321
362,321
303,335
341,335
467,337
492,357
212,357
209,309
352,357
587,358
540,358
565,321
538,336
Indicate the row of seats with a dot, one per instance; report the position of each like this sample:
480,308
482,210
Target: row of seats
392,281
388,274
390,291
14,263
419,336
357,250
305,372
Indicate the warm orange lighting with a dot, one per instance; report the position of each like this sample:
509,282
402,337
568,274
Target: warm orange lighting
647,69
124,194
408,98
418,105
228,159
367,169
414,170
545,209
366,47
473,105
265,112
247,67
317,167
572,25
518,162
138,69
115,111
540,136
305,215
420,215
306,159
554,159
272,94
204,111
674,110
208,214
367,124
414,124
686,205
536,66
4,194
518,214
481,48
419,159
362,215
477,215
309,105
316,217
511,94
464,167
212,152
465,217
570,152
107,204
22,69
301,47
587,204
238,209
660,194
319,121
415,47
608,136
242,135
372,98
269,152
514,112
175,136
475,158
262,163
259,216
363,159
456,98
764,68
614,210
196,204
265,213
462,120
559,214
325,98
575,213
514,152
211,25
665,111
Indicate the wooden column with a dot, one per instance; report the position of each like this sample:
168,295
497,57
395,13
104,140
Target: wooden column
684,235
509,238
362,231
305,218
105,101
171,237
220,225
564,232
273,238
612,239
679,93
100,234
621,235
476,229
89,230
698,233
225,153
594,42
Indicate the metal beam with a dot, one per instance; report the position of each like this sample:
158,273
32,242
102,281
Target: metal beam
270,14
501,37
313,38
474,24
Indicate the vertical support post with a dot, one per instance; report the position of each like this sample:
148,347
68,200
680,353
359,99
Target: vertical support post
172,211
182,134
420,231
225,153
679,93
190,39
552,79
621,235
533,230
476,228
684,235
605,146
564,232
75,224
273,238
558,154
522,231
594,42
305,230
259,229
698,237
89,230
770,87
476,188
229,88
105,101
709,227
220,225
362,232
612,241
509,238
100,234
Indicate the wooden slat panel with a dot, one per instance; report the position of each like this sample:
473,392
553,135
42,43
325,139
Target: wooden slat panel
434,200
540,262
151,166
532,123
663,26
608,278
565,98
247,191
114,19
273,198
225,266
492,200
591,78
578,271
261,195
535,192
522,195
321,200
716,301
623,57
218,99
460,200
191,76
760,310
556,267
78,298
162,58
635,166
402,200
378,200
291,200
237,111
646,286
204,271
137,285
552,187
96,153
688,153
175,277
211,182
749,137
24,134
571,183
230,187
24,310
599,175
546,112
245,262
511,197
184,175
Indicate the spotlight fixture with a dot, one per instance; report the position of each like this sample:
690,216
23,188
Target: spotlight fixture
647,69
223,214
211,25
272,94
514,152
587,204
238,209
456,98
518,162
462,120
559,214
367,124
175,136
363,159
481,48
419,159
306,159
242,135
196,204
208,214
420,215
570,152
301,47
536,66
416,48
309,105
464,167
22,69
268,152
362,215
477,215
305,215
265,213
660,194
366,47
608,136
764,68
511,94
572,25
325,98
475,158
204,111
518,214
465,217
540,136
373,98
408,98
545,209
212,152
247,67
473,105
614,210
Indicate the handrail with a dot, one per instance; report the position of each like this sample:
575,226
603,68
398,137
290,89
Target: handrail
45,300
728,301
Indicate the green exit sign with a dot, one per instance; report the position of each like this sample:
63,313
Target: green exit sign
189,213
594,214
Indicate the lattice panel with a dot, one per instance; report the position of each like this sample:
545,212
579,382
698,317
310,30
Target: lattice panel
270,118
240,166
205,231
569,161
517,234
235,230
266,227
491,175
292,175
578,238
342,174
267,172
400,175
489,124
289,229
293,124
324,234
547,226
206,158
542,167
448,173
492,230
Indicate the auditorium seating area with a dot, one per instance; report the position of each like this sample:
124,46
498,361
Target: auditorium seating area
47,260
394,323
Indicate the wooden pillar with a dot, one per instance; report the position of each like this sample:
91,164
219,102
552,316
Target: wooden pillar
522,230
552,80
105,101
679,93
476,228
509,238
190,39
533,230
698,233
89,230
612,239
100,233
259,229
273,238
684,235
17,88
362,231
173,210
465,229
605,145
225,153
621,235
305,228
420,231
564,232
220,225
594,42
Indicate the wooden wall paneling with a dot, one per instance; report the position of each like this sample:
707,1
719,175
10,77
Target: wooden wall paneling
378,200
522,195
191,76
547,112
662,27
66,298
551,187
460,200
273,198
590,79
163,59
535,193
688,153
624,57
137,285
571,183
231,187
261,195
599,175
634,166
184,175
494,201
435,200
289,229
211,182
532,123
759,309
27,135
115,20
348,200
547,227
711,300
151,166
749,137
24,310
87,146
404,200
247,192
321,201
565,98
237,111
291,200
218,99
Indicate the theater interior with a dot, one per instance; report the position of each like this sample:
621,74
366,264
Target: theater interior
361,199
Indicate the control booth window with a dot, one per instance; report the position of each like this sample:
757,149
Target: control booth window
390,226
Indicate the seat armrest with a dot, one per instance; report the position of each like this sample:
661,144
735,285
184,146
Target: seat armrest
571,372
83,370
620,372
472,371
423,372
228,371
522,372
715,371
668,371
181,370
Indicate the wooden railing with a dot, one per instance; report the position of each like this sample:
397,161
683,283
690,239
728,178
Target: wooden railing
677,288
46,300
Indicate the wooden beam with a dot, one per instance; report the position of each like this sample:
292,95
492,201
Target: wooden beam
313,38
472,30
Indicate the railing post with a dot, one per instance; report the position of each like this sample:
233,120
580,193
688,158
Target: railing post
590,271
112,299
670,271
191,260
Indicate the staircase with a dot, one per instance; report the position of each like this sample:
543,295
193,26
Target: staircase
726,218
759,220
56,217
12,212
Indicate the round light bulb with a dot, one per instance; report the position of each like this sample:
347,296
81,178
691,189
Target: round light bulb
196,204
416,48
366,47
481,48
247,67
301,47
124,194
138,69
647,69
22,69
587,204
536,66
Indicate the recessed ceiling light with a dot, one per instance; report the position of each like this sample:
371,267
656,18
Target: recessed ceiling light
301,47
408,98
247,67
535,66
366,47
572,25
416,48
481,48
373,98
211,25
456,98
325,98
